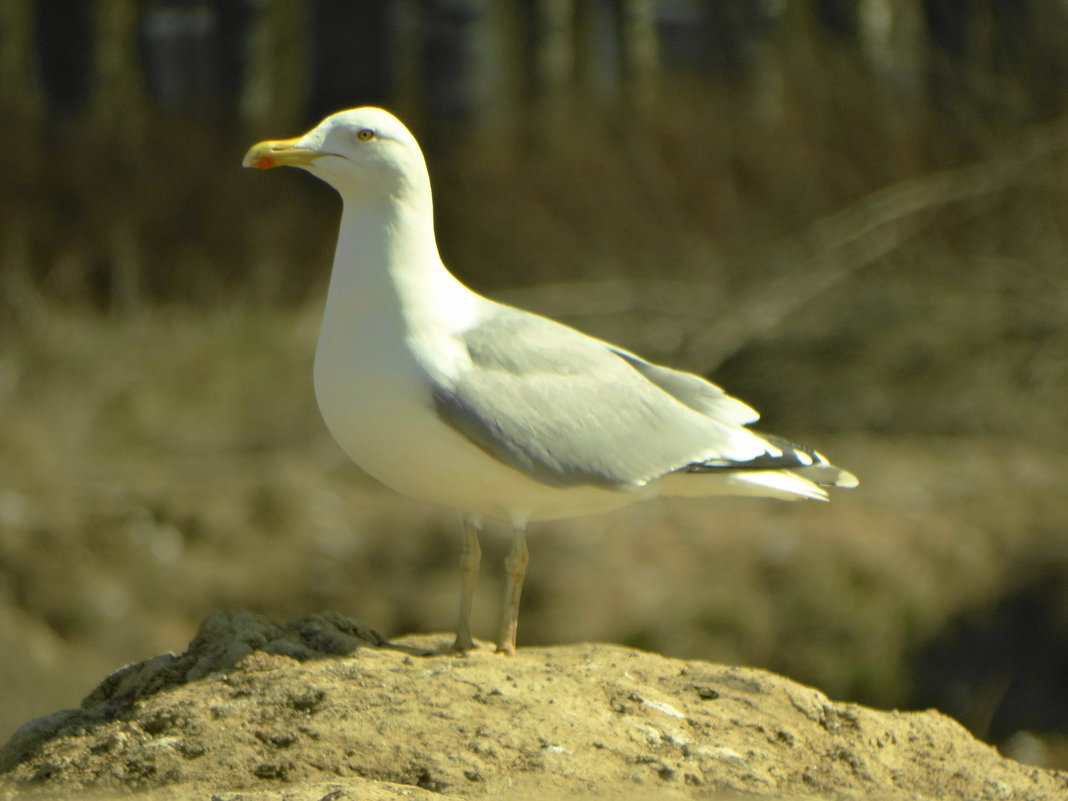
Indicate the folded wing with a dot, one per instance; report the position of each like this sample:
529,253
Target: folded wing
569,410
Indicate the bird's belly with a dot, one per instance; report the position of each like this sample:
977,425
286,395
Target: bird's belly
379,410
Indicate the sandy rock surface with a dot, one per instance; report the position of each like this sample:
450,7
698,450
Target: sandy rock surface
323,708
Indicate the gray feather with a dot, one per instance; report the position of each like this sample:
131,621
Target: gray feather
570,410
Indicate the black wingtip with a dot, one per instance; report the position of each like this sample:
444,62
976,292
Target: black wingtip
782,454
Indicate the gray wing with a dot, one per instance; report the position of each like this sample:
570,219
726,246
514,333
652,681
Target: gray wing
700,395
567,409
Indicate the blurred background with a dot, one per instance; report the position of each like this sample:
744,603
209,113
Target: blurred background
851,213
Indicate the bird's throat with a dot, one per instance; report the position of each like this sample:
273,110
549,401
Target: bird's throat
387,273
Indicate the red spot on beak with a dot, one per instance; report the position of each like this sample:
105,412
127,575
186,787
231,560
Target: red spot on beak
263,162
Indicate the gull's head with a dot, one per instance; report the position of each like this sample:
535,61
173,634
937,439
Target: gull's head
359,151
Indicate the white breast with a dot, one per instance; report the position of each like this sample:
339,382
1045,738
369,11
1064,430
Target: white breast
375,399
391,317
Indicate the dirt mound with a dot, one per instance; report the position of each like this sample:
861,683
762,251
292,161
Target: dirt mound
323,707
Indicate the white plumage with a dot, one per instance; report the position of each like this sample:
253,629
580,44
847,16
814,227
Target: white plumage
450,397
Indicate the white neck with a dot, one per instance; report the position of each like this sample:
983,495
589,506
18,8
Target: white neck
387,267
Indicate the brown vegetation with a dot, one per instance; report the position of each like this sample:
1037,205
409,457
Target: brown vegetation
871,263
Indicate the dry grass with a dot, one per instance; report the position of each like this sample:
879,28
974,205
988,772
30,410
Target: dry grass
162,455
169,465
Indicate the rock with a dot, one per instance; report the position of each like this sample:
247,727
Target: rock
323,708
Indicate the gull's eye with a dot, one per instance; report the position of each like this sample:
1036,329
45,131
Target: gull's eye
365,134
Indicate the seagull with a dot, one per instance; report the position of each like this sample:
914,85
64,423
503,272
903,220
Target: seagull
450,397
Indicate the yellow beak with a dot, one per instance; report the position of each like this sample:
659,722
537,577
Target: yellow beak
279,153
